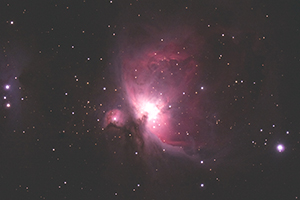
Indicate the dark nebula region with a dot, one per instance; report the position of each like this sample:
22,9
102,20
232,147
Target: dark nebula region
149,99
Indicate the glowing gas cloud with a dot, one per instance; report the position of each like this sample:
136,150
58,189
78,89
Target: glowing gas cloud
160,75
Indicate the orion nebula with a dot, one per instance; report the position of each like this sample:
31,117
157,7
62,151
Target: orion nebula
171,90
160,73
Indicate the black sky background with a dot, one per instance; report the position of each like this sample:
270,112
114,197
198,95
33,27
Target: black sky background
46,152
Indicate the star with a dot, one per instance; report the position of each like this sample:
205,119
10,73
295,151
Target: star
280,148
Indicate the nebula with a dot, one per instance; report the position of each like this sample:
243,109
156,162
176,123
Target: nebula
115,117
157,83
178,84
160,74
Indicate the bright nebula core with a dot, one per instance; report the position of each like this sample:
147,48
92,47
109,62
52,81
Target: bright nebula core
280,148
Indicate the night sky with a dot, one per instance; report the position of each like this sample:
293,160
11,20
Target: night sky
149,99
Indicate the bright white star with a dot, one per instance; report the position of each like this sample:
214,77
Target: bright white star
280,148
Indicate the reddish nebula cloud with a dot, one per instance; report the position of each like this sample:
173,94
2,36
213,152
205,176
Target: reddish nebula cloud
161,78
115,117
